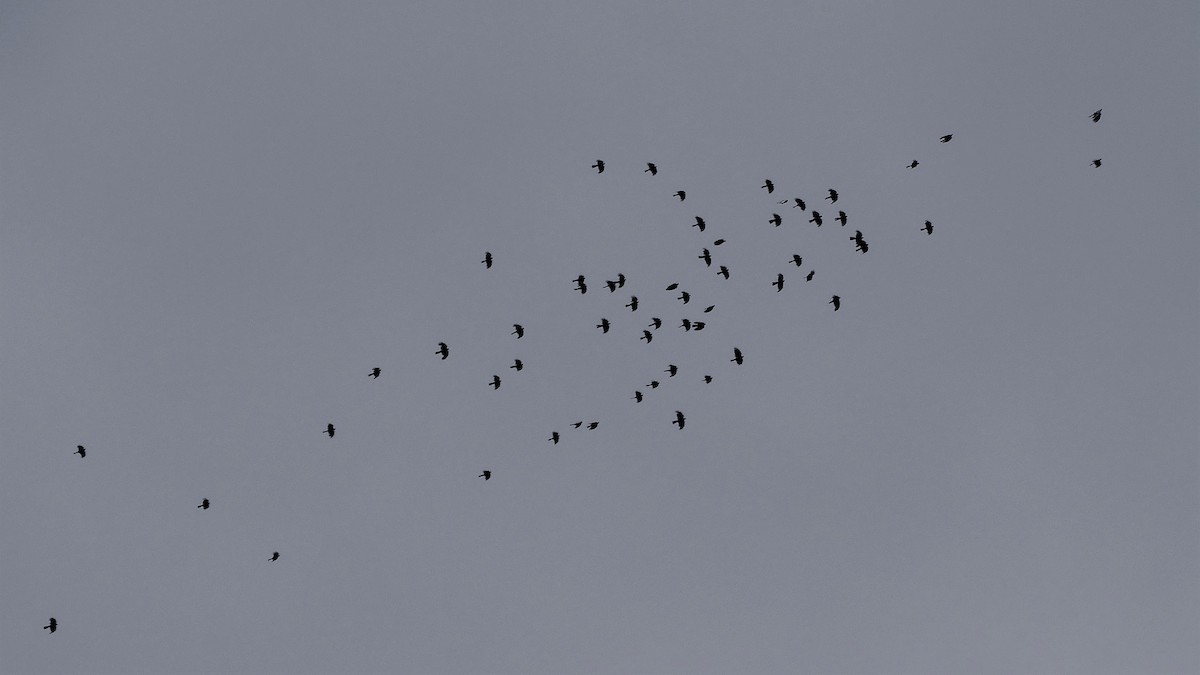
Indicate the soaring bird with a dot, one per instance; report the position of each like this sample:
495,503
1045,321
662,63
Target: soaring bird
796,259
671,370
671,287
329,429
599,166
655,322
810,275
651,168
684,296
577,424
681,194
443,350
914,164
686,325
709,308
653,384
699,223
203,504
81,451
718,242
816,218
836,301
698,325
775,220
495,383
706,257
580,284
833,196
799,204
928,227
1096,163
592,425
518,330
778,282
1096,115
632,304
679,419
486,475
52,626
637,396
841,218
603,325
769,185
518,365
647,336
612,286
946,138
487,259
737,356
860,244
553,437
275,556
724,271
374,373
620,280
708,379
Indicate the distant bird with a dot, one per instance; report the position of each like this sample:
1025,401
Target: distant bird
799,204
860,244
553,437
706,257
778,282
486,475
671,370
592,425
841,218
487,259
914,164
681,194
1096,115
699,223
52,626
686,325
708,379
836,301
329,430
833,196
718,242
946,138
655,322
603,325
653,384
620,280
709,308
724,271
518,330
1096,163
632,304
776,220
647,336
203,504
679,419
928,227
796,259
599,166
684,296
651,168
577,424
374,373
495,383
580,284
810,275
816,218
612,286
81,451
443,350
518,365
698,325
737,356
769,185
637,396
782,201
671,287
275,556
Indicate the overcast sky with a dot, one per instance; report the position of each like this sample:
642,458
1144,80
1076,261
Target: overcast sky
217,217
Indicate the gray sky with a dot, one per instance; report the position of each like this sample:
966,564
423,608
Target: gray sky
216,218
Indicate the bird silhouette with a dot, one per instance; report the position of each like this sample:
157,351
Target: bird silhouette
686,325
796,259
653,384
1096,163
684,296
724,272
709,308
860,244
632,304
775,220
329,430
655,322
374,373
518,330
698,325
275,556
778,282
517,365
836,301
946,138
52,626
577,424
681,194
914,164
928,227
816,218
833,196
603,325
637,396
592,425
706,257
671,287
599,166
620,280
81,451
799,204
737,356
769,186
679,419
203,504
487,259
486,475
495,383
443,350
651,168
553,437
647,336
671,370
708,379
612,286
1096,115
699,223
841,218
718,242
580,284
810,275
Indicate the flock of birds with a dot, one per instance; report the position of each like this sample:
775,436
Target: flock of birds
656,323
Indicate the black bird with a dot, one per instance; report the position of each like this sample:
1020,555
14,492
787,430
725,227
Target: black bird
603,325
81,451
651,169
612,286
620,280
486,475
914,164
577,424
632,304
699,223
374,373
580,284
517,365
653,384
698,325
724,271
1096,163
796,259
1096,115
841,218
833,196
672,287
487,259
518,330
637,396
443,350
769,185
599,166
275,556
737,356
329,430
860,244
672,369
946,138
647,336
799,204
681,194
708,379
679,419
810,275
684,296
553,437
655,322
778,282
816,218
706,257
718,242
928,227
592,425
776,220
203,504
53,625
686,325
709,308
495,383
836,301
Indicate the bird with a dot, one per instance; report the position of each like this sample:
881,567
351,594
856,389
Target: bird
796,259
778,282
81,451
928,227
495,383
776,220
620,280
769,186
946,138
651,168
518,330
275,556
810,275
841,218
653,384
647,336
724,271
517,365
737,356
637,396
706,257
329,429
655,322
553,437
486,475
612,286
860,244
580,284
709,308
671,287
52,626
443,350
1096,163
632,304
718,242
599,166
679,419
684,296
1096,115
671,370
592,425
914,164
681,194
836,301
833,196
374,373
698,325
699,223
487,259
816,218
577,424
708,379
799,204
203,504
686,325
603,325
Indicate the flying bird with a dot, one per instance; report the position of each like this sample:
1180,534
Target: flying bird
647,336
651,169
52,626
275,556
946,138
620,280
724,271
686,325
914,164
577,424
698,325
810,275
681,194
679,419
737,356
443,350
653,384
599,166
799,204
486,475
592,425
374,373
778,282
836,301
1096,115
706,257
632,304
671,287
580,284
816,218
495,383
708,379
329,429
517,365
684,296
841,218
718,242
1096,163
655,322
203,504
553,437
860,244
612,286
833,196
637,396
796,259
699,223
928,227
775,220
709,308
81,451
671,370
487,259
769,186
603,325
518,330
